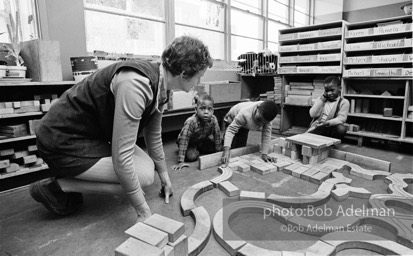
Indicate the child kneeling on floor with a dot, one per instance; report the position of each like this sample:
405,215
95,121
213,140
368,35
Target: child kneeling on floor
247,116
200,135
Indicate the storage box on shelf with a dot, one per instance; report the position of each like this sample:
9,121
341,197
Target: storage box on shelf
377,78
307,56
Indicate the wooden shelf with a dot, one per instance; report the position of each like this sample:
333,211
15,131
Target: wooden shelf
376,135
312,51
257,74
375,116
28,137
38,113
380,36
25,170
374,96
378,77
380,49
409,120
312,39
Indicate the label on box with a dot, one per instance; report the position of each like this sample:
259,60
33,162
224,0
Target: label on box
307,58
328,57
329,44
360,32
357,60
308,69
357,72
284,70
388,44
387,58
288,36
390,29
308,34
359,46
330,69
407,72
408,57
288,48
329,32
307,47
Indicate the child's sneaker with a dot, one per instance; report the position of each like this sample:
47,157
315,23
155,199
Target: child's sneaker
49,193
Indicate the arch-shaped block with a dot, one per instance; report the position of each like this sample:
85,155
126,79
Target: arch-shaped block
226,174
201,233
191,194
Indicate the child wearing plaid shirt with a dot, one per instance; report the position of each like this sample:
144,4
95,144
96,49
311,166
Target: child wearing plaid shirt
200,135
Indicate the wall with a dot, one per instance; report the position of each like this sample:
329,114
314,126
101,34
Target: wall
63,21
373,13
327,11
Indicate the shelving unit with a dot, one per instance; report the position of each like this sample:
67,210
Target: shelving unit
307,56
24,91
377,74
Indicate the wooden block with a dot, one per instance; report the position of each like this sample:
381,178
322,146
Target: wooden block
148,234
189,196
242,167
229,189
180,246
173,228
16,104
226,174
42,58
306,160
388,112
287,152
334,153
297,172
33,124
277,149
7,152
369,161
168,250
282,142
326,186
252,250
45,107
281,165
27,109
306,151
20,154
32,148
215,159
313,159
4,105
290,168
29,103
201,233
260,168
251,195
132,246
319,177
28,159
6,111
233,166
12,168
310,172
352,105
295,155
4,163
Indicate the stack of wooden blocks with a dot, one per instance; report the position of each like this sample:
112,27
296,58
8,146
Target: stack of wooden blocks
277,89
46,100
299,93
318,89
13,131
156,236
40,103
23,160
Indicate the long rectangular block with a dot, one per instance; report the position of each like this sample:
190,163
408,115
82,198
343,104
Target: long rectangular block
148,234
229,189
297,172
215,159
372,163
133,246
290,168
173,228
281,165
319,177
306,150
261,168
251,195
310,172
242,167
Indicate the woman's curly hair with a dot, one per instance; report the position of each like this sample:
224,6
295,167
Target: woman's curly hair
186,54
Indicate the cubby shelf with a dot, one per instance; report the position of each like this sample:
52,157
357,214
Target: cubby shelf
378,57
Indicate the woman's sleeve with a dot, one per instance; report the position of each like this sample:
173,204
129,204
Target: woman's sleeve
132,94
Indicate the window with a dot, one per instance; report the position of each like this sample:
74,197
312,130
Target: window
125,26
205,20
25,10
301,13
144,27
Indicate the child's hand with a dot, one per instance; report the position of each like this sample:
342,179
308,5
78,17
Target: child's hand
225,157
143,211
322,124
267,158
179,166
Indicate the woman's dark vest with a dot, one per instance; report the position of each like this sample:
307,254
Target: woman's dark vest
80,123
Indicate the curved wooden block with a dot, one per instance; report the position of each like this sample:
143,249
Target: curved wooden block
202,231
338,179
226,174
191,194
359,171
361,240
343,191
252,250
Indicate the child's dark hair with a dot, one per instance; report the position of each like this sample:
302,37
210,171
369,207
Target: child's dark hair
268,110
202,98
186,54
332,80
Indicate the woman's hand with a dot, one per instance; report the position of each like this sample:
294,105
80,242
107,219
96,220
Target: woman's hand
143,211
166,186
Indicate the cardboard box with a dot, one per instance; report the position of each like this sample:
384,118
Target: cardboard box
223,91
180,99
42,58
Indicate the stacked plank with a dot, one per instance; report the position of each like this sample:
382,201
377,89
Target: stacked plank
20,161
40,103
156,236
299,93
277,89
46,101
276,124
13,131
318,89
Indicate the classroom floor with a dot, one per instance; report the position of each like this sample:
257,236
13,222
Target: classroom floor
27,228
